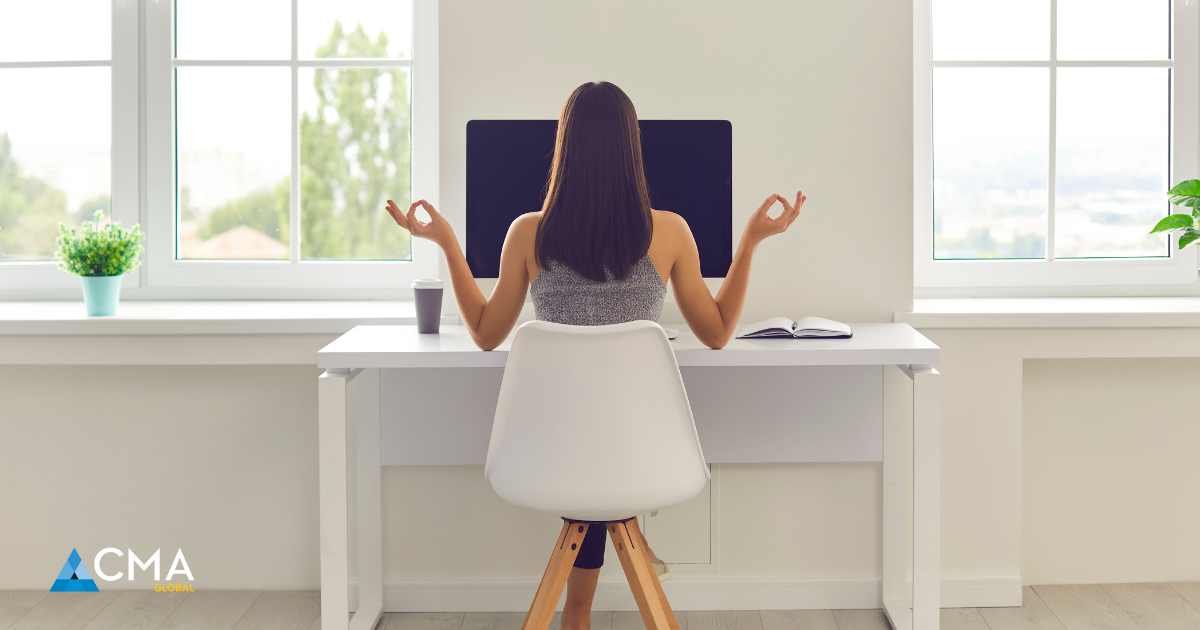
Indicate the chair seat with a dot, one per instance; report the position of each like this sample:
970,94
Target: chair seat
597,506
601,516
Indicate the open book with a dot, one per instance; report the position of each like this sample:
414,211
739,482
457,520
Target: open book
806,328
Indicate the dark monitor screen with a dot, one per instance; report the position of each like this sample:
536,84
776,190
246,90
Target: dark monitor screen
689,171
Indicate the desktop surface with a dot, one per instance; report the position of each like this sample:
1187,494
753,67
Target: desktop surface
688,166
403,347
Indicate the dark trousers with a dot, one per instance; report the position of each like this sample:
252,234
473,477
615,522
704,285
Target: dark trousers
591,552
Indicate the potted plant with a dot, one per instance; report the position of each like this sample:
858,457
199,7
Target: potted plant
99,253
1185,194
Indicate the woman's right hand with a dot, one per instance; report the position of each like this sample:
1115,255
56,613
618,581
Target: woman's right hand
437,229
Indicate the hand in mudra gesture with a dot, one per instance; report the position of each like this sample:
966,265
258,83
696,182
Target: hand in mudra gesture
760,225
437,229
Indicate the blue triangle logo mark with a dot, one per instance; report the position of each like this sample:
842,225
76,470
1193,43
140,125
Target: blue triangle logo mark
74,576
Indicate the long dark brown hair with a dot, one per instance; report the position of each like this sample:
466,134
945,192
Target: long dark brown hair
596,216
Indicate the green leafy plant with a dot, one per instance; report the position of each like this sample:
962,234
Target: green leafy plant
1186,194
98,249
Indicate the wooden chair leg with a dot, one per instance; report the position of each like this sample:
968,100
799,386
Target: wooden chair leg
541,612
640,575
635,530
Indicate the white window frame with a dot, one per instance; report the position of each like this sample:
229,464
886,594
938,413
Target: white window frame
293,278
18,277
966,278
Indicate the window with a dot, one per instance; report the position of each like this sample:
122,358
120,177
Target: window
1046,134
275,138
273,132
63,153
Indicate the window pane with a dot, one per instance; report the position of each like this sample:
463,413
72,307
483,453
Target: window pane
991,30
36,31
1114,29
233,29
354,156
355,28
1112,161
990,142
233,162
54,155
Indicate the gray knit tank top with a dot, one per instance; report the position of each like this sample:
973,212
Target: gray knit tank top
563,296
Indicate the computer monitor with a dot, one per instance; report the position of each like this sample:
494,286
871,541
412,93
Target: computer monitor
689,171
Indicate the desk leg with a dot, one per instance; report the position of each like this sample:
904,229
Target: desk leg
927,497
332,478
920,608
897,597
370,506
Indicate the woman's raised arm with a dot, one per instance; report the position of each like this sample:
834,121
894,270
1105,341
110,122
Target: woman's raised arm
714,320
489,320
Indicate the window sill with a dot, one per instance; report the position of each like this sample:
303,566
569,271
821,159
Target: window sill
1096,312
233,317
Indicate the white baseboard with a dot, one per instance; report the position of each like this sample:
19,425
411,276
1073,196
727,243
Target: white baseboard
981,592
693,594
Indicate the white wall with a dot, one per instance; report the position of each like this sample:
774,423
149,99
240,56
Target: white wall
218,461
981,452
819,94
777,521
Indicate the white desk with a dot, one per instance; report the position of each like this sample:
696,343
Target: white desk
845,422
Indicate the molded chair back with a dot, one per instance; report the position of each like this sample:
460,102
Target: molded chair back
593,423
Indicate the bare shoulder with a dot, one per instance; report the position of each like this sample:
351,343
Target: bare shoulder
671,227
524,227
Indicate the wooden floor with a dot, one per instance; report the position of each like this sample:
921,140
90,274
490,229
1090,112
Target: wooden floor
1160,606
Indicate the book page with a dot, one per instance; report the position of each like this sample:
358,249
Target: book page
781,324
820,323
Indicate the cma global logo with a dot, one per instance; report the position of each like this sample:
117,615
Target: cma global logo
75,577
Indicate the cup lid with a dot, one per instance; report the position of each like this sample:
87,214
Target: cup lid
427,284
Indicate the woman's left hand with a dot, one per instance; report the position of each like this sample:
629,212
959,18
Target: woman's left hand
437,229
760,225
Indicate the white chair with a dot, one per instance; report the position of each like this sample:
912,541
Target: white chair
593,425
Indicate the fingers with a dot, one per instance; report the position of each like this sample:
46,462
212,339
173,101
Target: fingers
790,211
766,205
397,216
429,208
413,221
800,199
784,220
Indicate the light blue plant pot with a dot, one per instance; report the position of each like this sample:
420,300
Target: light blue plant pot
101,294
